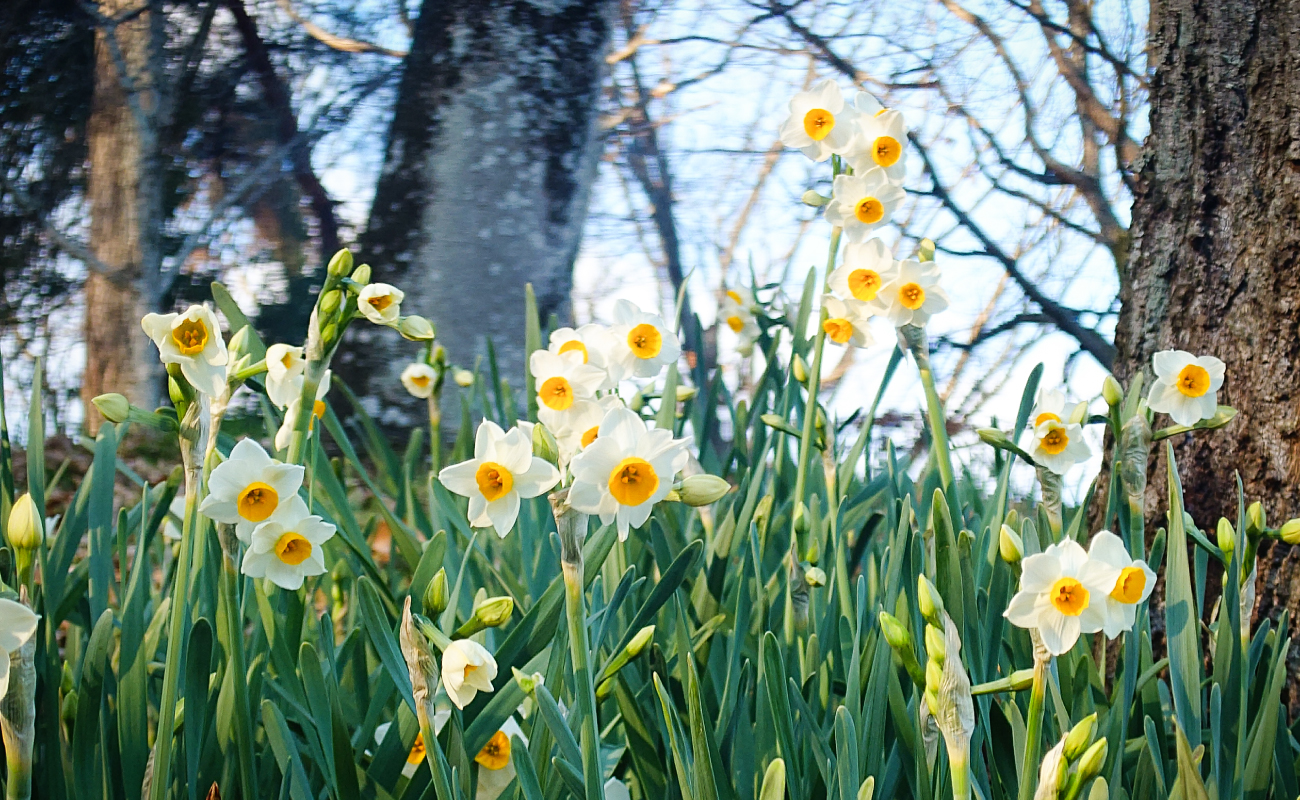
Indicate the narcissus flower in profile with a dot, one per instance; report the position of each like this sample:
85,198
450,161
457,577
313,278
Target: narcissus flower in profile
418,378
819,123
502,471
251,488
861,203
881,142
1133,584
737,313
641,344
846,322
285,367
564,384
285,433
380,303
1060,596
192,341
1186,386
626,470
467,669
590,341
867,267
17,624
288,550
913,296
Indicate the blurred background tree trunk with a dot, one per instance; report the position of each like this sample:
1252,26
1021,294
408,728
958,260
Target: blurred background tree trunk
125,207
1215,267
489,165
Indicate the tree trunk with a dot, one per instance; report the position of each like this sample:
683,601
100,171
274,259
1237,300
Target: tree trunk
489,166
124,207
1216,263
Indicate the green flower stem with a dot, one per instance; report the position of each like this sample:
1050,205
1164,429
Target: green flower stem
229,599
572,527
934,411
959,766
1034,724
433,754
435,425
814,383
302,426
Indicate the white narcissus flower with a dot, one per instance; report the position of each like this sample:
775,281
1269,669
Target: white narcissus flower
564,383
861,203
737,313
867,267
1057,445
290,549
819,123
496,769
913,296
285,367
846,322
641,343
250,488
175,518
193,341
502,471
1060,595
616,790
467,669
590,341
582,428
1186,387
17,624
880,142
1132,586
285,433
626,470
418,378
380,303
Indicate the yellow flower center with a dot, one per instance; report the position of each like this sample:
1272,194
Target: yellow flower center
191,336
287,360
736,324
417,751
1044,417
839,329
380,302
1069,597
590,435
911,295
1128,589
318,409
257,502
633,481
645,340
1055,441
869,211
1193,380
886,151
292,549
864,283
420,380
494,481
556,393
735,297
496,753
574,346
818,123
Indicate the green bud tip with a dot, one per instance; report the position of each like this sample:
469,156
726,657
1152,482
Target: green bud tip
895,634
1290,532
641,641
815,576
1010,546
494,611
1111,391
26,524
799,368
930,601
434,599
936,644
1256,521
114,407
1093,760
329,302
1079,737
1227,537
341,263
702,490
361,274
933,676
544,444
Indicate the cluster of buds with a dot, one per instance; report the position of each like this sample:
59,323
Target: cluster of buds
634,648
1073,763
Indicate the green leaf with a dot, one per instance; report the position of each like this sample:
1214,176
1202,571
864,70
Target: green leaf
1181,619
198,666
377,627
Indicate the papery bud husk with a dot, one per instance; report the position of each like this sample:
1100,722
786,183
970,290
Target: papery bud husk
1050,774
1135,451
421,664
701,490
18,717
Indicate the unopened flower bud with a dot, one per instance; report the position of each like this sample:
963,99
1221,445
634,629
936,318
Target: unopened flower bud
544,445
895,633
1256,521
811,198
930,602
641,641
1010,546
434,600
114,407
1111,391
701,490
361,274
1091,762
1290,532
341,263
1227,537
799,368
933,676
1080,736
1100,790
1021,679
936,644
685,393
925,250
815,576
464,378
416,328
330,301
1079,413
26,524
528,683
494,612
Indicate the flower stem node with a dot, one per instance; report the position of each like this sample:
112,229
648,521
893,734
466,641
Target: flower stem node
341,264
702,490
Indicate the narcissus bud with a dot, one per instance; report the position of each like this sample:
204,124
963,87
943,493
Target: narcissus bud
925,250
435,595
341,263
701,490
815,576
544,445
415,328
936,644
641,641
1290,532
895,634
933,676
811,198
1091,762
26,524
1022,679
114,407
494,611
1080,736
464,378
1227,537
799,368
361,274
329,302
1111,391
528,683
930,602
1256,521
1010,546
1079,413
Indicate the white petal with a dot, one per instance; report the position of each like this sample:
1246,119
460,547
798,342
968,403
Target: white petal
503,512
17,624
1022,611
459,478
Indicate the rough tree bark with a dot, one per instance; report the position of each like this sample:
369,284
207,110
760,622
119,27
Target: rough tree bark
124,207
1216,263
489,166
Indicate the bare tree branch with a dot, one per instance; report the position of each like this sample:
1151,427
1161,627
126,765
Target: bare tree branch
341,43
